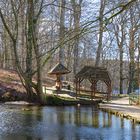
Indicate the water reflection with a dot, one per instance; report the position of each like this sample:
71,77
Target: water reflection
64,123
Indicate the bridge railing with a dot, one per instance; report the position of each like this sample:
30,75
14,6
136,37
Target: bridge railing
134,98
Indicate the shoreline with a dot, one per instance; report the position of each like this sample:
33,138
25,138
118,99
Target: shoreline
54,101
121,108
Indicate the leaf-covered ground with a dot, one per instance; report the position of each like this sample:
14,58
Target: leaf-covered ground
11,88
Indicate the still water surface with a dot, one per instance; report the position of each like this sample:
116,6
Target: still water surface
64,123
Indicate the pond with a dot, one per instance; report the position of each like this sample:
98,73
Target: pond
64,123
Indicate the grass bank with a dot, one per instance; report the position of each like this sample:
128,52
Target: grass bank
55,100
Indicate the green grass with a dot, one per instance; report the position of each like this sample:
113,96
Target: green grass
56,100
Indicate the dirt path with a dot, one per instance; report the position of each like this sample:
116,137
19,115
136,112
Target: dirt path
122,107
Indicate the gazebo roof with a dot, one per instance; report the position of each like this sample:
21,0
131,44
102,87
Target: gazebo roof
59,69
95,73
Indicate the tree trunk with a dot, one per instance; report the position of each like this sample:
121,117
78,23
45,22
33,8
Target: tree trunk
121,69
62,30
99,49
131,64
77,14
22,20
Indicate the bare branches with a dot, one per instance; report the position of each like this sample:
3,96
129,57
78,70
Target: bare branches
6,26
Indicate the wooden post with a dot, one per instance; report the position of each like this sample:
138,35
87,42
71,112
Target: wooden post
95,82
109,90
58,82
79,86
45,90
92,92
92,89
76,88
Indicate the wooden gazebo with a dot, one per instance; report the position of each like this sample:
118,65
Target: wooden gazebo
58,70
93,74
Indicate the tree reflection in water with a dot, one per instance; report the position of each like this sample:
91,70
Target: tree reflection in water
64,123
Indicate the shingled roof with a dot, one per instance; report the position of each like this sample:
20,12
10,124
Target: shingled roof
59,69
96,73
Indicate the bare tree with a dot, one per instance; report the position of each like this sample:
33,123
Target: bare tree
133,28
119,29
31,43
